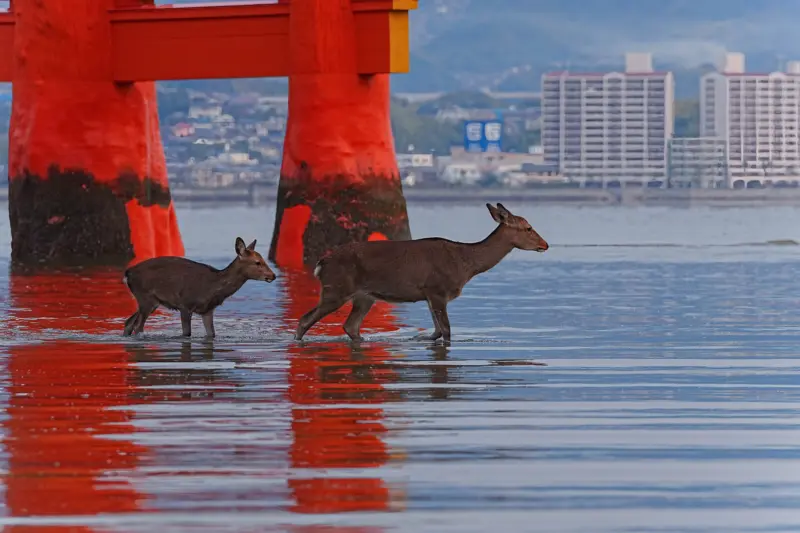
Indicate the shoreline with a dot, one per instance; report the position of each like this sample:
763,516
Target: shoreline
257,195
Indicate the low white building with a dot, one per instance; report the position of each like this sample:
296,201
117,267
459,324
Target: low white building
461,174
698,162
205,111
224,121
415,160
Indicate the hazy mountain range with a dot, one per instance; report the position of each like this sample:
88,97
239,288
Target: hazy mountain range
508,44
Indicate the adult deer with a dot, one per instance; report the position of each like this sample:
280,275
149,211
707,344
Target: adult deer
433,269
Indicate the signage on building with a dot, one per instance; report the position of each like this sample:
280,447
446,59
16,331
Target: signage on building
414,160
483,136
422,160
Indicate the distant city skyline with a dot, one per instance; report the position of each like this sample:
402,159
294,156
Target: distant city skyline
619,125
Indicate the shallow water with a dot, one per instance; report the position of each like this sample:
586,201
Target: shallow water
639,376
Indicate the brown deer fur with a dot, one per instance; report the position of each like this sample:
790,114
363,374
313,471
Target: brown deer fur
190,287
433,269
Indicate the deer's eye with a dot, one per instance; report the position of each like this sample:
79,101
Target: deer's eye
258,263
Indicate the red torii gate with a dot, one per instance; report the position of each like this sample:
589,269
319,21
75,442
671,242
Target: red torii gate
87,174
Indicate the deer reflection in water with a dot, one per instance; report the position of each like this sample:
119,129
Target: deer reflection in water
336,391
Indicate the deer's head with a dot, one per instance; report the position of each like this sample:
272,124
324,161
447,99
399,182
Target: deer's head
251,264
517,230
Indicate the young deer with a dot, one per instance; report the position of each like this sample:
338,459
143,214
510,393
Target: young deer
190,287
433,269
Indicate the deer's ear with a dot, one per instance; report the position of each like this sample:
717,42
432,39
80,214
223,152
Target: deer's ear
496,215
240,247
252,245
505,212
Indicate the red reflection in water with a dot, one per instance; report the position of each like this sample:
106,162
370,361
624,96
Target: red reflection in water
66,399
66,395
327,437
301,293
90,302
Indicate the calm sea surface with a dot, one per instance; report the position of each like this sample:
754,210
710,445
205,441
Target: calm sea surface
641,376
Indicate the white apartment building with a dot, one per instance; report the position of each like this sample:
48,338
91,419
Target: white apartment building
611,125
698,162
757,115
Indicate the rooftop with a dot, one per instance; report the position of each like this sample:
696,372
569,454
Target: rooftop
569,74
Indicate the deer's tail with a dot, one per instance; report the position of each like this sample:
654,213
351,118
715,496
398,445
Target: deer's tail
320,265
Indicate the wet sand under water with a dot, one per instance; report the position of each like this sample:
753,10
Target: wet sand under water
604,389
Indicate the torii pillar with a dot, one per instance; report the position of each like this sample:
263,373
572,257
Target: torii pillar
87,175
339,178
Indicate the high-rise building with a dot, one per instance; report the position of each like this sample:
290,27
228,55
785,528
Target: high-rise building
609,125
758,117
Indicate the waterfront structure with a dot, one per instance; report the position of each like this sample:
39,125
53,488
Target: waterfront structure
697,162
756,116
87,173
609,126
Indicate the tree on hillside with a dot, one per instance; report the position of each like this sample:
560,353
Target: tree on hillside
423,132
687,118
463,99
173,101
521,141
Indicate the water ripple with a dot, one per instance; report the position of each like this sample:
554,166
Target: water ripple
579,395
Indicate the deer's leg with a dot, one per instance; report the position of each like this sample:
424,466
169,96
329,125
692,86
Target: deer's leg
208,323
361,306
439,312
437,332
186,323
444,322
327,305
130,323
305,318
145,310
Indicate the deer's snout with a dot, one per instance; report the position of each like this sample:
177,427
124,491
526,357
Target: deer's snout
269,277
543,246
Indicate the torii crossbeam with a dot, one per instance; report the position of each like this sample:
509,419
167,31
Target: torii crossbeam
87,175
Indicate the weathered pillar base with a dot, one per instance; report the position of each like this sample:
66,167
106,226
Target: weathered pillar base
315,215
69,218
